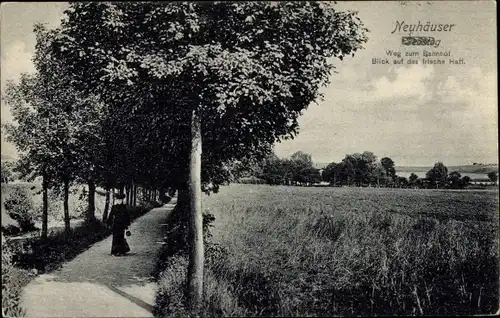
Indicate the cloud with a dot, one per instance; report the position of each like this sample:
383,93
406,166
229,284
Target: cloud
472,105
474,90
409,82
414,114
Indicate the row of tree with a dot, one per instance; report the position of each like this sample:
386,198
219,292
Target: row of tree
361,169
438,177
355,169
296,170
358,169
164,95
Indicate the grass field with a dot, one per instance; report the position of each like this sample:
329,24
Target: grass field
292,251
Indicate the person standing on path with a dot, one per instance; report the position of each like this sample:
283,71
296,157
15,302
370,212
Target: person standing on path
119,220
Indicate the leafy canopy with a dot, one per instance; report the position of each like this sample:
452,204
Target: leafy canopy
248,68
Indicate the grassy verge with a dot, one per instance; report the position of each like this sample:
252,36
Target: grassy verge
283,251
19,268
13,280
171,271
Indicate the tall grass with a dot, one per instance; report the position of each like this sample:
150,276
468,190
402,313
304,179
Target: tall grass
286,251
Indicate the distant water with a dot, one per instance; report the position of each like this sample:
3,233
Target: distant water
421,174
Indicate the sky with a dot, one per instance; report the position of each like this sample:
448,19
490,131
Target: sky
415,114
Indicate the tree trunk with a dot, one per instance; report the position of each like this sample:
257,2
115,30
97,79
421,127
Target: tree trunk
134,192
127,195
106,206
91,208
67,225
45,208
131,193
196,257
134,195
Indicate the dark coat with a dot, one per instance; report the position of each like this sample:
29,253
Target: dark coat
118,217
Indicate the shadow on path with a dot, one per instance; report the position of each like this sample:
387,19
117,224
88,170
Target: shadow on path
133,299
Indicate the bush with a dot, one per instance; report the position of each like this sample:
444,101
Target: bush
171,297
19,206
13,280
11,229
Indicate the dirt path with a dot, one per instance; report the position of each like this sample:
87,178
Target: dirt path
96,284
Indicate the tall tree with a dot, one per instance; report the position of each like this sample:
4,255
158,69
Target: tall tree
228,78
389,167
438,174
328,174
71,119
413,179
33,136
303,158
379,173
360,167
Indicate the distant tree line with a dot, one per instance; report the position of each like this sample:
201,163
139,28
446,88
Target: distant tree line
358,169
296,170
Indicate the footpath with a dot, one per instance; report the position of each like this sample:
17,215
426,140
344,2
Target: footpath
97,284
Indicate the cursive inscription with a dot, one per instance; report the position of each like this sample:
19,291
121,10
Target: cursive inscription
401,26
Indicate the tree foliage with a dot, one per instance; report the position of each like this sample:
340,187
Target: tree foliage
6,174
438,174
493,176
118,80
250,69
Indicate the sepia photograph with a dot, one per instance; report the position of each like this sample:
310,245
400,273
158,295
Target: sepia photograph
249,159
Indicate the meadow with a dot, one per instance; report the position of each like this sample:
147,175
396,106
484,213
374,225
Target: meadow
298,251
